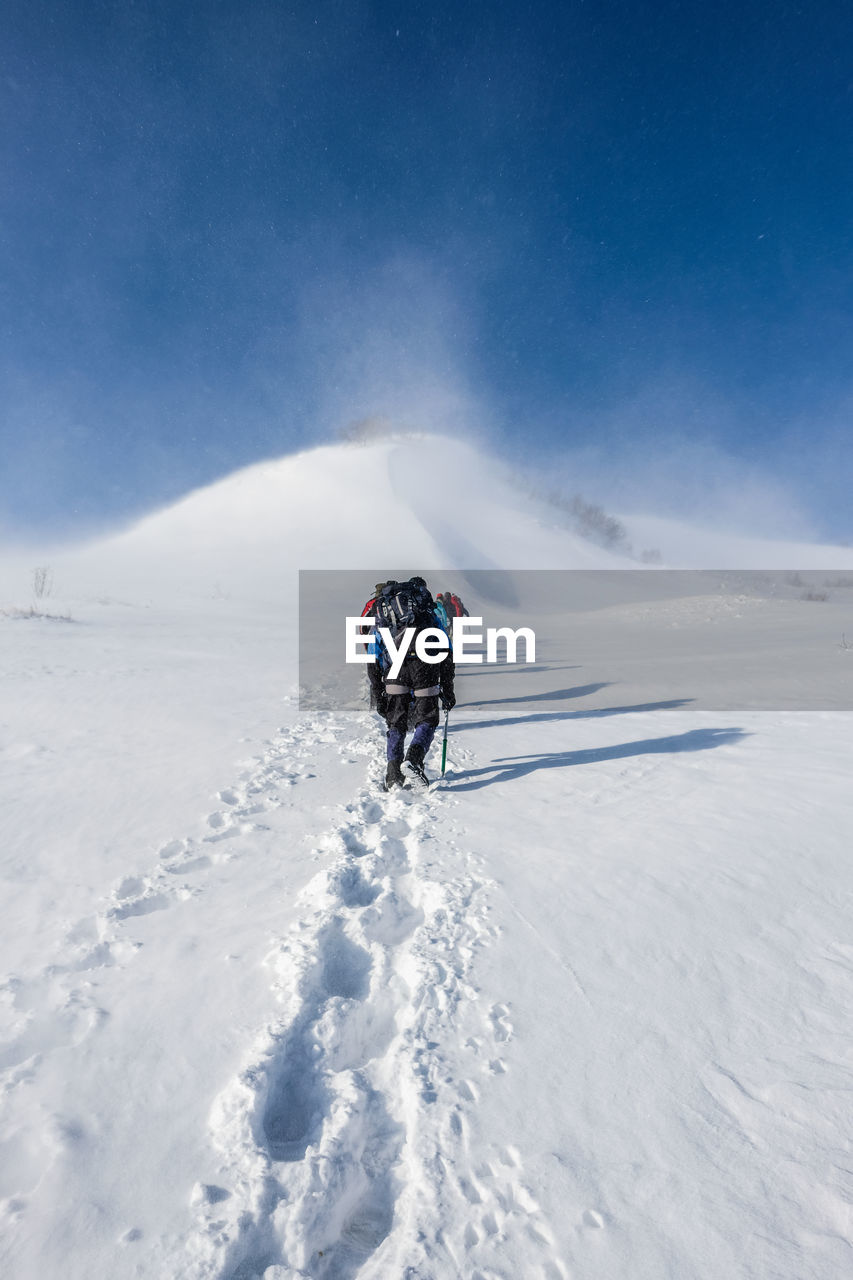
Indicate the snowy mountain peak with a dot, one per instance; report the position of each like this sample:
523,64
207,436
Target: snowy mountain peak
425,501
428,499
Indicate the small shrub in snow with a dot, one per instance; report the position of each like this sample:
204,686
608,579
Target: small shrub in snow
32,612
42,581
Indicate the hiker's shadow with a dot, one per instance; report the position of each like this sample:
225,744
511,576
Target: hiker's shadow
505,768
550,695
588,713
463,671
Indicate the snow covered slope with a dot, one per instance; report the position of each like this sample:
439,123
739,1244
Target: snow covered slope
685,546
429,501
422,501
582,1013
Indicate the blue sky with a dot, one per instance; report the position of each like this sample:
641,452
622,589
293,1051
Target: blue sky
614,238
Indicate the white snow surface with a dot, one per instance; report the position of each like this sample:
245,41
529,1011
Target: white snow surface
699,547
582,1011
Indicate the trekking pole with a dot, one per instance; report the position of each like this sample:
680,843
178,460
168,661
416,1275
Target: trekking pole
444,743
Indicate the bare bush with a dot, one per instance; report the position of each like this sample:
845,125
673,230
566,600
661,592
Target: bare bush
33,612
815,595
42,581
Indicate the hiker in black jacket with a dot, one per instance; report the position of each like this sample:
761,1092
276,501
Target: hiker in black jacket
411,698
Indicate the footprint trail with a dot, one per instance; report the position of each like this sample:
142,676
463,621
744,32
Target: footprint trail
344,1144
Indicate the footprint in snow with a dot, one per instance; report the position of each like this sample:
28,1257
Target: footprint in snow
139,907
351,888
352,844
298,1100
208,1193
499,1017
191,864
173,849
130,886
98,957
397,829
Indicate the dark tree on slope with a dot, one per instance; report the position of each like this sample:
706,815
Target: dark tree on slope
592,522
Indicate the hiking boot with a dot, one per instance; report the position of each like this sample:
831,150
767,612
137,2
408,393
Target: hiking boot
394,775
415,763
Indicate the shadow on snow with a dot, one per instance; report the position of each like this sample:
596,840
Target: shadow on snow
550,695
591,713
507,771
513,668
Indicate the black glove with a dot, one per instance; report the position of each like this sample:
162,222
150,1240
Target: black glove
448,699
382,702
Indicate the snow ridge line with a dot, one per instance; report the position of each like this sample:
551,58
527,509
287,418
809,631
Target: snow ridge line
344,1141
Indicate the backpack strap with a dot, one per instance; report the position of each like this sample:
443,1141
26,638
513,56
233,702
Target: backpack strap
431,692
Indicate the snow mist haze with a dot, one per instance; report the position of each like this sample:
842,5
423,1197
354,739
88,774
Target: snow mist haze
393,347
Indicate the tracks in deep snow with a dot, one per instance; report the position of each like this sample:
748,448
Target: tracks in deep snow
344,1142
344,1148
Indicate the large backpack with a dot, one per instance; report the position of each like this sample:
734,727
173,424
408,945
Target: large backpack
403,604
